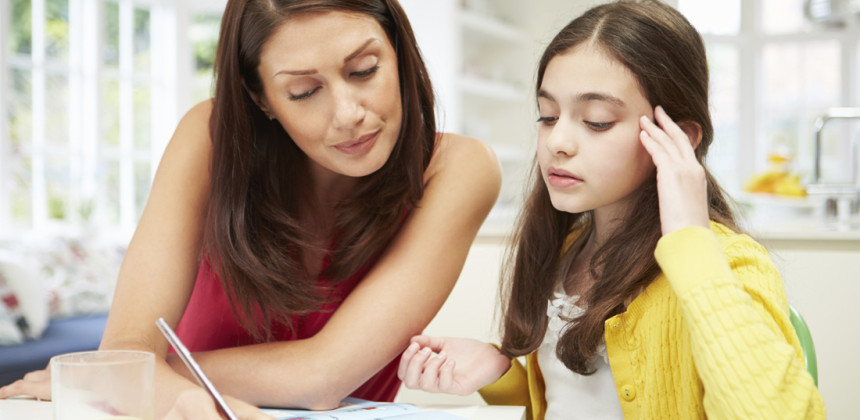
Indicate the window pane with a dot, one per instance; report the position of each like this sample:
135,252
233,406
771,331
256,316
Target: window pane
822,75
782,75
857,82
713,17
57,29
142,180
57,109
782,130
110,113
57,178
110,192
204,37
798,75
781,16
20,28
19,103
111,34
142,122
141,40
724,64
20,198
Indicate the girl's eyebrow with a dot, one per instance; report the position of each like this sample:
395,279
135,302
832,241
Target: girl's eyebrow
598,96
586,97
349,57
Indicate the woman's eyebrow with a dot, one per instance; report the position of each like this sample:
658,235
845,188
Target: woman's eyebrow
349,57
360,49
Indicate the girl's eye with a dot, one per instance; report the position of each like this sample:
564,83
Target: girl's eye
547,120
599,126
304,95
365,73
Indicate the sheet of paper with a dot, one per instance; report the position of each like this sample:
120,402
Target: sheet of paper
358,409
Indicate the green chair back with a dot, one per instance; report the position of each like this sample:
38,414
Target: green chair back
806,344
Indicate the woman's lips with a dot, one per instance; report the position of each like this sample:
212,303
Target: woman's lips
359,145
560,178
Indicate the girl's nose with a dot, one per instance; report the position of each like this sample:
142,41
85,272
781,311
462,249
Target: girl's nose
561,140
349,112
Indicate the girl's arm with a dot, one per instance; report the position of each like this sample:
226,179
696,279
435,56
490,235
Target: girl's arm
461,366
731,295
394,302
744,346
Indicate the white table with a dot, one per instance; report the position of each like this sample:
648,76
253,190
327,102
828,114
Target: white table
37,410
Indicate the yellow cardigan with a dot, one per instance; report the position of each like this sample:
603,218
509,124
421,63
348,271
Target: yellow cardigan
709,338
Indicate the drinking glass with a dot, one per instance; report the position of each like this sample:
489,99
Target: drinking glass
102,385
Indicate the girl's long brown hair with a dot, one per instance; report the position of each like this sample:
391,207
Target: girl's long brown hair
667,57
253,237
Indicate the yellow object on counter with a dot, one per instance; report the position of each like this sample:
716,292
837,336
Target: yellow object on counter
776,182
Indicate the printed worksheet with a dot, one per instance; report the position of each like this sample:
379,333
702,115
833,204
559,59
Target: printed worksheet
358,409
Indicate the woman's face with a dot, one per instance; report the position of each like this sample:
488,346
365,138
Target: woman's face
589,151
331,80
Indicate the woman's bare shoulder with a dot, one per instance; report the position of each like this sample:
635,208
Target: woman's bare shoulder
459,153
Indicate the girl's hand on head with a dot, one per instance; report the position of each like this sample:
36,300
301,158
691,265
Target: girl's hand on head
36,384
461,365
196,404
681,183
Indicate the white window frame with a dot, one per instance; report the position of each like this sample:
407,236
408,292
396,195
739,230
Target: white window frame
170,68
750,43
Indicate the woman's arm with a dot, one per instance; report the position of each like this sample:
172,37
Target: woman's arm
160,265
395,301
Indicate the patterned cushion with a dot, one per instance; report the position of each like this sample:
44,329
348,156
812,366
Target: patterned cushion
24,307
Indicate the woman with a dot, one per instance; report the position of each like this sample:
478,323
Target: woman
312,200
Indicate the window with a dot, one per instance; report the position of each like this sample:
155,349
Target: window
88,105
773,72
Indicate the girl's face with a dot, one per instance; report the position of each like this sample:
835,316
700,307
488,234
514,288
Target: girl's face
588,140
331,80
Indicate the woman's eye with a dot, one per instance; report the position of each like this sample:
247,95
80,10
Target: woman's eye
305,95
365,73
599,126
547,120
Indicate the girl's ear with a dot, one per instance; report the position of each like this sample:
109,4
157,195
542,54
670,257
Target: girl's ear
693,131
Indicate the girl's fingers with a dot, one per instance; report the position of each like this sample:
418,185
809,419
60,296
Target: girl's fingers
412,377
406,358
446,376
669,125
679,137
430,377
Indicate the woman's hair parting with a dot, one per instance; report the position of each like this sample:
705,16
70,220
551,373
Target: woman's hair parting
666,56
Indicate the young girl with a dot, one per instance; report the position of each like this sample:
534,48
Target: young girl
292,235
631,294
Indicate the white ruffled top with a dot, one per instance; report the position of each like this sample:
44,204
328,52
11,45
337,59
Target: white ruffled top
570,395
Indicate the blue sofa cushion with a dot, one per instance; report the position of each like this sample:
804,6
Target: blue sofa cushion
63,335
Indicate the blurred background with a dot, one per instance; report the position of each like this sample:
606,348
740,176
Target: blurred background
91,90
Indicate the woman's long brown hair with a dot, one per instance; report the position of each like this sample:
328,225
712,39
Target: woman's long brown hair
253,237
667,57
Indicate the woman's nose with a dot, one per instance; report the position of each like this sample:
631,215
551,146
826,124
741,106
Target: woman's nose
348,109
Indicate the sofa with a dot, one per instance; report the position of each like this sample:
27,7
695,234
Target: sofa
62,335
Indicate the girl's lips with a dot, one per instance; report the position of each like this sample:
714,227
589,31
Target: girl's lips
360,145
560,178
